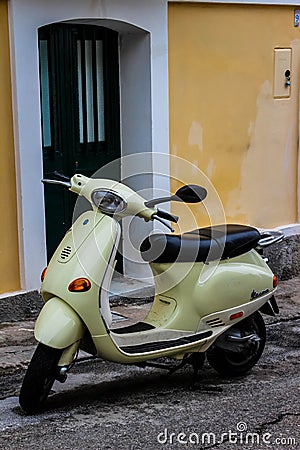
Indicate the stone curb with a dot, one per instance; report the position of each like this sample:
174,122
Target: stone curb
284,257
284,260
28,305
20,307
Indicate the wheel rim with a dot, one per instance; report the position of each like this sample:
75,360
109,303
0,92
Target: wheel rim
47,388
244,356
252,348
237,350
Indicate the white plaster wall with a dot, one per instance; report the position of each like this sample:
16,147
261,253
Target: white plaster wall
26,16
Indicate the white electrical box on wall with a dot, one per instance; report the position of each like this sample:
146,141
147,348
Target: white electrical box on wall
282,72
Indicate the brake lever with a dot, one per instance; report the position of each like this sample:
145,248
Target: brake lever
61,175
167,216
164,222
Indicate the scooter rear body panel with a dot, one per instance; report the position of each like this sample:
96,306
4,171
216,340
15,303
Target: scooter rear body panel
202,289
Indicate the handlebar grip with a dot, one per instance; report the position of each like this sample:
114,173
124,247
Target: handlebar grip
66,184
165,215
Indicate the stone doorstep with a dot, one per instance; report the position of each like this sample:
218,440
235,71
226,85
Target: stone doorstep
284,260
17,342
26,306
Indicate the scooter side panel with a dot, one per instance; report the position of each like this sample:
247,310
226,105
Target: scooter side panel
202,289
235,281
58,325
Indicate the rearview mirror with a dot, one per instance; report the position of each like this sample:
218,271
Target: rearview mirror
191,193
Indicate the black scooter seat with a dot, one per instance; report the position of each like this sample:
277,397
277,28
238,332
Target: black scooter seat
201,245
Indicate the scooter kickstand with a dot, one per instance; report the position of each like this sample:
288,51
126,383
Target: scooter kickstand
196,360
175,368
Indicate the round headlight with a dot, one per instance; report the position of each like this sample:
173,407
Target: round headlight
108,202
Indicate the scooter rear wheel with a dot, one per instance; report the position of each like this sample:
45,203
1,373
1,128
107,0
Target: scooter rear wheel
231,363
39,378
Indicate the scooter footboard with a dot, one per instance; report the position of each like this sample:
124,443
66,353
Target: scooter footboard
58,325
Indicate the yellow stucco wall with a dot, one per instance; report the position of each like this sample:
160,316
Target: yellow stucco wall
223,116
9,254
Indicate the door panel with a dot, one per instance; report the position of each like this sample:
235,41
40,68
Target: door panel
80,111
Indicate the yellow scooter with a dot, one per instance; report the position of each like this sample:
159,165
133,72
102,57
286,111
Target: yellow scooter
210,285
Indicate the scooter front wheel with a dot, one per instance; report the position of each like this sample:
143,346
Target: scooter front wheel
39,378
238,357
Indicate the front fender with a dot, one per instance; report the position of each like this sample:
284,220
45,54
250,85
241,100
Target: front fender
58,325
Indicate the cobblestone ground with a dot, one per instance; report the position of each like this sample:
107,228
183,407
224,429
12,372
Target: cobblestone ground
109,406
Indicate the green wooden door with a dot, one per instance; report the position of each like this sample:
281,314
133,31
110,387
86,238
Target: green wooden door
79,80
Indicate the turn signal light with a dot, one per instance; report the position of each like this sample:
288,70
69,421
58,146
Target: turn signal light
275,281
43,274
80,285
236,315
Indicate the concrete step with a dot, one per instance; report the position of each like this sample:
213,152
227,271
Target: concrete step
26,305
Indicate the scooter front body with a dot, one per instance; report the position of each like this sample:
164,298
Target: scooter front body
87,251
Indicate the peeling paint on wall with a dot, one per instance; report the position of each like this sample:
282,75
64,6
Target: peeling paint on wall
264,169
196,136
250,150
210,168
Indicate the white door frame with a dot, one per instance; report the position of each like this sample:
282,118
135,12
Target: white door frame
142,26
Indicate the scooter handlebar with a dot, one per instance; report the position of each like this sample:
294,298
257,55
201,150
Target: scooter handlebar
66,184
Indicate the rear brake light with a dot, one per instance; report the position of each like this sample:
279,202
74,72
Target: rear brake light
275,281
